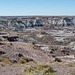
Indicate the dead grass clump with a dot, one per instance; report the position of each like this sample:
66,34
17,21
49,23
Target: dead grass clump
20,47
33,46
70,64
5,59
8,45
25,60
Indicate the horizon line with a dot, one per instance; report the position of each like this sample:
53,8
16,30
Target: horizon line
34,15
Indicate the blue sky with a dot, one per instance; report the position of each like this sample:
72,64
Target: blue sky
37,7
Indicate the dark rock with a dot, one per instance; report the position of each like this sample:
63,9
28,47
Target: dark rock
1,52
51,52
29,59
67,54
14,61
0,60
20,55
53,56
58,60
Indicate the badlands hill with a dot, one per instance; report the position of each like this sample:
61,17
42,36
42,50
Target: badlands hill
20,23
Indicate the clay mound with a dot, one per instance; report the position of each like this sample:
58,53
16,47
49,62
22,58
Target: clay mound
26,50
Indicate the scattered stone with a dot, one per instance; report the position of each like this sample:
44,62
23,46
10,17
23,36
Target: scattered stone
58,60
20,55
1,52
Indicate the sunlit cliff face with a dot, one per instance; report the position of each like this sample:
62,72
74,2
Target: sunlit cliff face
23,23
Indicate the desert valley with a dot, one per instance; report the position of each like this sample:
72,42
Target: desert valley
37,45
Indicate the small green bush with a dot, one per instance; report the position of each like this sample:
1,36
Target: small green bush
40,70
